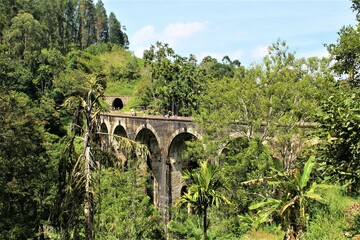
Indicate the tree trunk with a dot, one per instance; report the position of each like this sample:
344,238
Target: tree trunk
89,198
205,223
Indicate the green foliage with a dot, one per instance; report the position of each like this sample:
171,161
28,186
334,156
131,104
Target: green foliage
185,226
119,88
242,160
124,211
217,71
260,108
25,37
80,60
346,52
99,48
116,35
175,81
51,63
130,72
14,76
26,173
203,192
340,132
284,91
101,23
67,24
293,200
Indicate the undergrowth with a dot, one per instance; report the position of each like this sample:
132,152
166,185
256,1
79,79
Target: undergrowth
334,220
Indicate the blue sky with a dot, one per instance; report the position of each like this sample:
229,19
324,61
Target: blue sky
241,29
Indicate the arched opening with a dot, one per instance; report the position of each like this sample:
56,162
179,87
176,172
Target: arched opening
116,145
117,104
147,137
120,131
104,136
179,164
183,190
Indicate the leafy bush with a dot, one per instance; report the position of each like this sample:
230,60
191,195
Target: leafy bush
124,211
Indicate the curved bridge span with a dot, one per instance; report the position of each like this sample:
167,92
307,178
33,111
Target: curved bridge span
165,138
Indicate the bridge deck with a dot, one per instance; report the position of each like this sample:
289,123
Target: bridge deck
145,116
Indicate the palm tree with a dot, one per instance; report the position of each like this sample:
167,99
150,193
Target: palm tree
87,105
203,191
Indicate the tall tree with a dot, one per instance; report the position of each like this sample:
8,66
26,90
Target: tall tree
339,118
87,106
48,14
71,23
175,81
25,37
116,35
346,52
101,23
87,23
340,134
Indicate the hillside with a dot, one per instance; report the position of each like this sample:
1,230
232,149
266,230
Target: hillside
126,74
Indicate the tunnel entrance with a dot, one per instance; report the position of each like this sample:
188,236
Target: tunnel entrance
117,104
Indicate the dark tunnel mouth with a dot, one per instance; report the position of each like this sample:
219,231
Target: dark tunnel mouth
117,104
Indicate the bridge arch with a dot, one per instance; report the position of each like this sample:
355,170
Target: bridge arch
151,129
178,164
183,130
120,131
105,136
147,136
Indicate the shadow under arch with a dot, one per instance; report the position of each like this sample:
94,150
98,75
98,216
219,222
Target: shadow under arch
120,131
117,104
178,164
104,135
153,162
120,154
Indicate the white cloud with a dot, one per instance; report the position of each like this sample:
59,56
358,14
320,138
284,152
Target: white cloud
259,52
183,30
172,34
316,53
139,52
144,35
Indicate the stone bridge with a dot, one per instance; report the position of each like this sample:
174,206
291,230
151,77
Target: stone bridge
165,138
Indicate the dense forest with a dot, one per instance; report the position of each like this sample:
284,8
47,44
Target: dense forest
292,172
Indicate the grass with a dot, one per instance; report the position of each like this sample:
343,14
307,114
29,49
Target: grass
119,88
116,59
335,221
